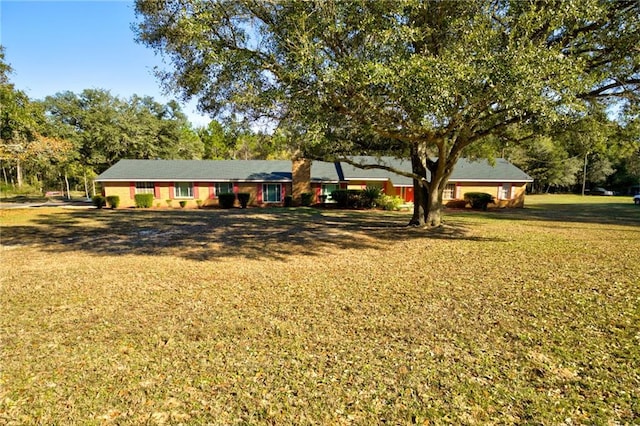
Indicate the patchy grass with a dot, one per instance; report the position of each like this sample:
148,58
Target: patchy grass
304,316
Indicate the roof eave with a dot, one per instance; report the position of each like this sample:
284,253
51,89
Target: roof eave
191,180
492,180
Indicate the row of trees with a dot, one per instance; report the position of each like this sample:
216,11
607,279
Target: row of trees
594,150
68,138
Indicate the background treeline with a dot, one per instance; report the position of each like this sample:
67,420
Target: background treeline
591,151
64,141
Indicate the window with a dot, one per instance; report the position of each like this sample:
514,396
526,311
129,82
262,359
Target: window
183,190
449,192
271,193
222,188
505,191
145,188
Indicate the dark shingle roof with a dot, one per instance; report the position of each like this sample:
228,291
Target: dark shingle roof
197,170
280,171
212,170
355,173
322,171
481,170
464,170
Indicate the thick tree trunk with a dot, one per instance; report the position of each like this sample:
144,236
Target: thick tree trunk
434,211
420,204
420,193
427,198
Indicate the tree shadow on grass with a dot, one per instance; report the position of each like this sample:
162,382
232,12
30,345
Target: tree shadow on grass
213,234
587,213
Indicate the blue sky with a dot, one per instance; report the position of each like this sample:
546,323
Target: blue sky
54,46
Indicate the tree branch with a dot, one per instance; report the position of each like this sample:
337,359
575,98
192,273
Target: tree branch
349,161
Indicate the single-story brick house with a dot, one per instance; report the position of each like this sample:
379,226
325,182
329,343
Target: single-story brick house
269,181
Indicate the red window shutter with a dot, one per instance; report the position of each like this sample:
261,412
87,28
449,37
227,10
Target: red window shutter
132,190
283,193
171,191
259,193
156,190
196,190
235,188
211,195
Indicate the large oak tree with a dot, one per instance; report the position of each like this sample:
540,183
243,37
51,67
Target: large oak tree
427,80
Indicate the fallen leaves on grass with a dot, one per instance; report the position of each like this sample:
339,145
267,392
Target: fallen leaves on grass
490,320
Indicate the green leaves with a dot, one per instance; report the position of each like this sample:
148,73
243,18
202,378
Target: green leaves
404,68
107,128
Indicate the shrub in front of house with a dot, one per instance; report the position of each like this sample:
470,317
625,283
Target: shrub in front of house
456,204
199,203
390,203
113,201
369,197
99,201
243,198
341,197
182,203
306,198
143,201
478,200
169,202
288,201
227,200
347,198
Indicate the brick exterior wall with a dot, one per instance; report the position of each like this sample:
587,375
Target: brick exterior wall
301,176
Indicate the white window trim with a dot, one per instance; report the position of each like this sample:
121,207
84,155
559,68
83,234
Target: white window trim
216,185
453,191
264,185
145,188
175,190
506,191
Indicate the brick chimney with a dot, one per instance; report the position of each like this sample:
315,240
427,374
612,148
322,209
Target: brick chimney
301,177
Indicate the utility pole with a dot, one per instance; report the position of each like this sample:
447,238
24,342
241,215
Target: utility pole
584,173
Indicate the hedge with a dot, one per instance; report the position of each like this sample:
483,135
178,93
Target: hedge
243,199
306,198
144,201
226,200
478,200
347,198
99,201
113,201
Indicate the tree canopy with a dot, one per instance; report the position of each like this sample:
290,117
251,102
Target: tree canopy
78,135
106,128
427,80
21,140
